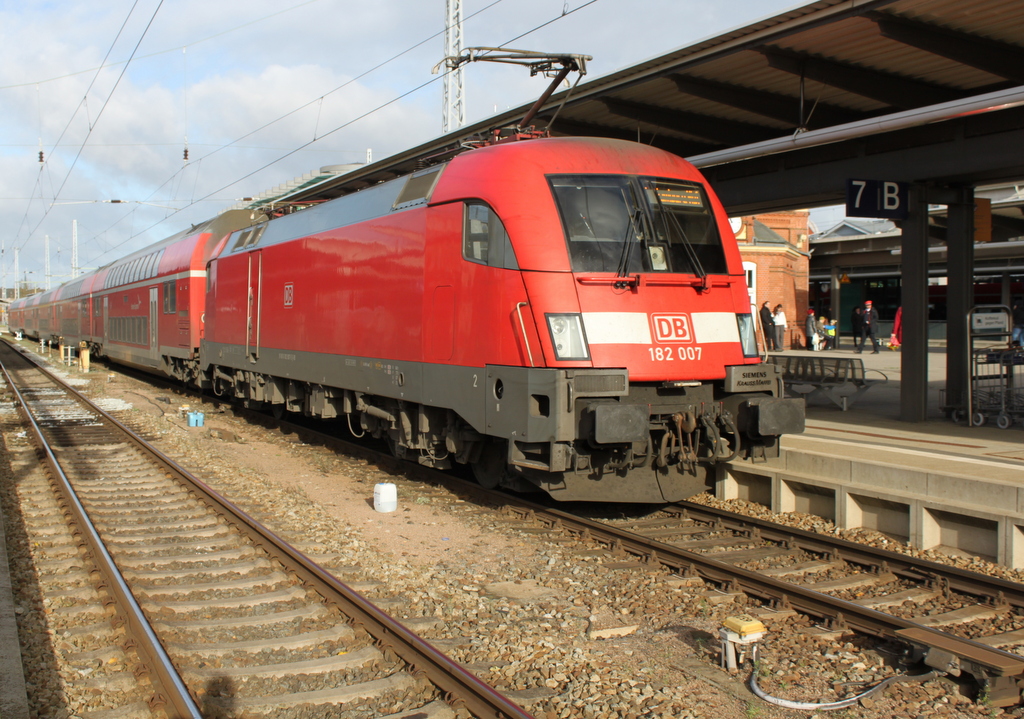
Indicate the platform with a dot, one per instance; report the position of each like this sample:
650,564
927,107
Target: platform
934,484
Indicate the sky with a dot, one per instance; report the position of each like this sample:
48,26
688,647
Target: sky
259,93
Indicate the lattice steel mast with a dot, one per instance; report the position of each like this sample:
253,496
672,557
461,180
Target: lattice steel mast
454,100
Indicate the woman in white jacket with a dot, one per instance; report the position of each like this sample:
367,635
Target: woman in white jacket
780,327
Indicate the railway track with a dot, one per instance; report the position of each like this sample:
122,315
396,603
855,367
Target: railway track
171,601
947,619
950,620
955,621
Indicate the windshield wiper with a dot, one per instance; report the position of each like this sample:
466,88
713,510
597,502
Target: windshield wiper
691,253
627,247
635,217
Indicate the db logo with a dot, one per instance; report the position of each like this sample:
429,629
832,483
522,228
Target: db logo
672,328
289,294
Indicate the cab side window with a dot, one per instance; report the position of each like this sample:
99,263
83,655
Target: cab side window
484,239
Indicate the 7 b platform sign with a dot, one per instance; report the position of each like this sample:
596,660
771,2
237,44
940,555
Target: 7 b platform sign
877,198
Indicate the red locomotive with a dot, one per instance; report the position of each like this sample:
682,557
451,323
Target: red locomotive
568,314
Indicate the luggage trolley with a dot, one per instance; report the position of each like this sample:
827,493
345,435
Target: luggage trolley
1011,364
996,387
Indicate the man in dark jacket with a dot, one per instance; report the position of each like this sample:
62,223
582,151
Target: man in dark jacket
768,326
811,330
869,327
856,322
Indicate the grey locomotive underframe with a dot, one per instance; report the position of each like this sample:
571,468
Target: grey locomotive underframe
565,428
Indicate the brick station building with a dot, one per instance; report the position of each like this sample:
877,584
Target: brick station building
776,256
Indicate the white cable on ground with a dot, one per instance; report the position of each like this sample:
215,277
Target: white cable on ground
831,706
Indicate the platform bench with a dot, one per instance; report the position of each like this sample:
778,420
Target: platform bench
841,380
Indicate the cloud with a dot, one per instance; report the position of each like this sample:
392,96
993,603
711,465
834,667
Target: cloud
244,67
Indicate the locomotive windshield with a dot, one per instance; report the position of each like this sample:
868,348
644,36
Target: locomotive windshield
623,224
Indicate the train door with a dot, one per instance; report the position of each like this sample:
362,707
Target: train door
106,317
153,317
252,333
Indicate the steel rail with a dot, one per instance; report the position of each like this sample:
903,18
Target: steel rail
995,589
986,660
978,659
982,661
461,687
171,694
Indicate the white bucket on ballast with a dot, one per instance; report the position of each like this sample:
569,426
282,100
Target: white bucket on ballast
385,497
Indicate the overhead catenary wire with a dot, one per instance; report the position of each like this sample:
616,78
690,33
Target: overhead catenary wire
209,196
92,125
287,115
561,15
163,52
85,95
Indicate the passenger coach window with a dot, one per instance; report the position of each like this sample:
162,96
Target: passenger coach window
170,298
484,238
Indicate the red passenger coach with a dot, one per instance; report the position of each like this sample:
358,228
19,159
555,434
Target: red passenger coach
569,314
145,310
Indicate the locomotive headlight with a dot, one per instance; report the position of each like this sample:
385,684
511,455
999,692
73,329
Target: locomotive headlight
567,337
747,336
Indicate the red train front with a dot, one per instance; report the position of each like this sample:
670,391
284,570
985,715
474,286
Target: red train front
568,314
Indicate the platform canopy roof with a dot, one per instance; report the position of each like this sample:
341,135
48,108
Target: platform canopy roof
831,81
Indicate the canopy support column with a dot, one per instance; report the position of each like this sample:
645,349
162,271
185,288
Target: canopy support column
914,270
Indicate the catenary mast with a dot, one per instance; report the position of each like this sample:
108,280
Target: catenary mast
454,100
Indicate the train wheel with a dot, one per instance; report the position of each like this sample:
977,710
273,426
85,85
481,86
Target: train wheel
395,448
1003,420
277,410
491,467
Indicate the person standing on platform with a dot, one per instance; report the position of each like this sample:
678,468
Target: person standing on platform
869,328
811,330
856,323
779,317
768,326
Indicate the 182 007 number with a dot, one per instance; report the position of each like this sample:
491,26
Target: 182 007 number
669,354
